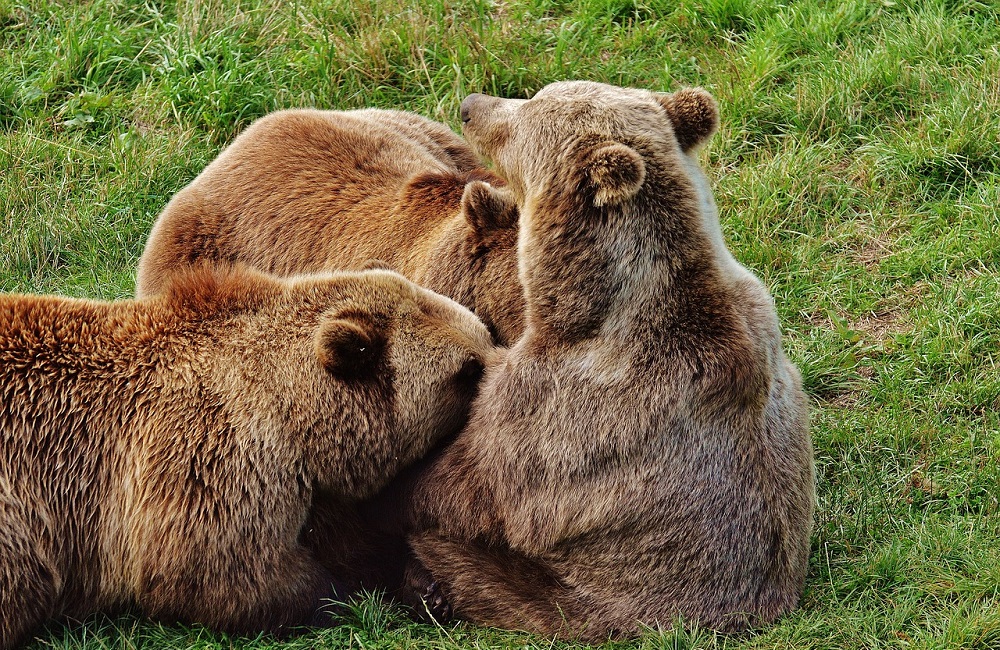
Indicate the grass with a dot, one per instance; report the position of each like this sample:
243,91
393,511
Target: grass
857,172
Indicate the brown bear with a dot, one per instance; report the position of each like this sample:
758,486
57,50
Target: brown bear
169,452
308,190
641,455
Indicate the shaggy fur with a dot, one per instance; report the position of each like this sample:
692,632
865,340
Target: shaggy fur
307,190
179,453
641,453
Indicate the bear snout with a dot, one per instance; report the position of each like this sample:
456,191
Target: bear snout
468,106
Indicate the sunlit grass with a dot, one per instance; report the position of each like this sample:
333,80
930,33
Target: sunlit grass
857,172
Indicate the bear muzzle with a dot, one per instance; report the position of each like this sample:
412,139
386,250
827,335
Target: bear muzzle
467,107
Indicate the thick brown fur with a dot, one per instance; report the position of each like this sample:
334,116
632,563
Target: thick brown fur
178,453
641,455
308,190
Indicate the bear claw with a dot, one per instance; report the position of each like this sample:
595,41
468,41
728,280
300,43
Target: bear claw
436,602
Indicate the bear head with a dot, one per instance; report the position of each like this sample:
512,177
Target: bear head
570,124
431,349
477,263
607,186
491,246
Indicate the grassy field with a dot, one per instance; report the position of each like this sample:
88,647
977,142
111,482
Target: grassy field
857,172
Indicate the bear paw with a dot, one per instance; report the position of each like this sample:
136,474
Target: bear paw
435,603
424,595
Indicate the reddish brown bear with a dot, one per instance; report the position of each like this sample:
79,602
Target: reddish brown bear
641,454
307,190
171,452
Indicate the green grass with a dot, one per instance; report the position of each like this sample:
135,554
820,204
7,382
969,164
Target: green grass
857,172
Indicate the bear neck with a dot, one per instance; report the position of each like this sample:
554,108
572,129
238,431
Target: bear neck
629,270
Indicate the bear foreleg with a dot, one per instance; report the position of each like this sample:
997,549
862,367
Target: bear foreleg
262,594
498,587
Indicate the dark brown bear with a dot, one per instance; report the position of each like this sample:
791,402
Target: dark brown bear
641,455
171,453
307,190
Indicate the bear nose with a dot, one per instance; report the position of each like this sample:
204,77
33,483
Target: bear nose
466,106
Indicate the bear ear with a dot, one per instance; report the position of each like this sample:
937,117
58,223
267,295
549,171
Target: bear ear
616,171
488,208
349,345
693,113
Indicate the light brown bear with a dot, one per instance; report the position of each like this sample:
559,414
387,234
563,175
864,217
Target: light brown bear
169,453
307,190
641,455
